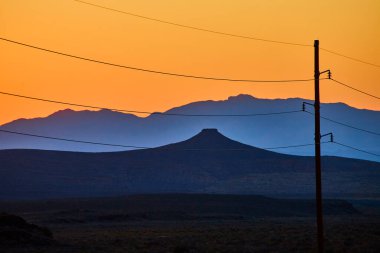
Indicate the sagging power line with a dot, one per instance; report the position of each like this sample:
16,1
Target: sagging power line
154,71
355,89
188,115
136,147
191,27
357,149
195,149
223,33
344,124
71,140
349,57
145,112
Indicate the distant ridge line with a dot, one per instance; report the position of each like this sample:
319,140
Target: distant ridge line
142,147
185,149
151,113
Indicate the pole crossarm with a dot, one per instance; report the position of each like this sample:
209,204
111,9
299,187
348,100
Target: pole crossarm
304,105
328,73
329,134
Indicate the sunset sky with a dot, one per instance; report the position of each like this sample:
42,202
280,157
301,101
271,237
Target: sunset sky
350,27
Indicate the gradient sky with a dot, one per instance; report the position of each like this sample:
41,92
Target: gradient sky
350,27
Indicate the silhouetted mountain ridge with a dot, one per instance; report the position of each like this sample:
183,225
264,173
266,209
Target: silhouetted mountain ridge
208,139
206,163
157,129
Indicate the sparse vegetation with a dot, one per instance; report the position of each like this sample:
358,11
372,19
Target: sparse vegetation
264,235
15,231
113,230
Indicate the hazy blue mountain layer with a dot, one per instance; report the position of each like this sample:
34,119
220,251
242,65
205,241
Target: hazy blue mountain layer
206,163
155,130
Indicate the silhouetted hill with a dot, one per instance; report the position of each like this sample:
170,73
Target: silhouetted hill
206,163
15,231
156,130
212,140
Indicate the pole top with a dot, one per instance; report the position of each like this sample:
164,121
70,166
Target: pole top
316,43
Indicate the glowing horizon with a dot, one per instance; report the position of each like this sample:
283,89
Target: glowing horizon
68,26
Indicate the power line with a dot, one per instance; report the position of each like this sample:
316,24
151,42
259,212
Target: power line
355,89
155,71
192,27
346,125
270,148
142,147
353,127
71,140
348,57
136,147
221,33
357,149
293,146
151,113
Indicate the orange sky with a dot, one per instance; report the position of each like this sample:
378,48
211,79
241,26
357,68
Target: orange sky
68,26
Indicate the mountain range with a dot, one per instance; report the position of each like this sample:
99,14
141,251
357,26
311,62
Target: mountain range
155,130
208,162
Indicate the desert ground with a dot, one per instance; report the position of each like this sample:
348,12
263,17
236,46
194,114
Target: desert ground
77,229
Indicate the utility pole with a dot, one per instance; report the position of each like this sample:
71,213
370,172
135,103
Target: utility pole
317,139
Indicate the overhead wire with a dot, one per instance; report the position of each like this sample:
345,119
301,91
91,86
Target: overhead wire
71,140
355,89
137,147
348,57
146,112
191,27
292,146
154,71
346,125
221,33
357,149
163,147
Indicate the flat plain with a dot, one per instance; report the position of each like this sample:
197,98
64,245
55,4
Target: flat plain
81,226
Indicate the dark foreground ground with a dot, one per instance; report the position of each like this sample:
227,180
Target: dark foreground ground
110,229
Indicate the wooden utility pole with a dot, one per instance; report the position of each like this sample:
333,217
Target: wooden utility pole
317,138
